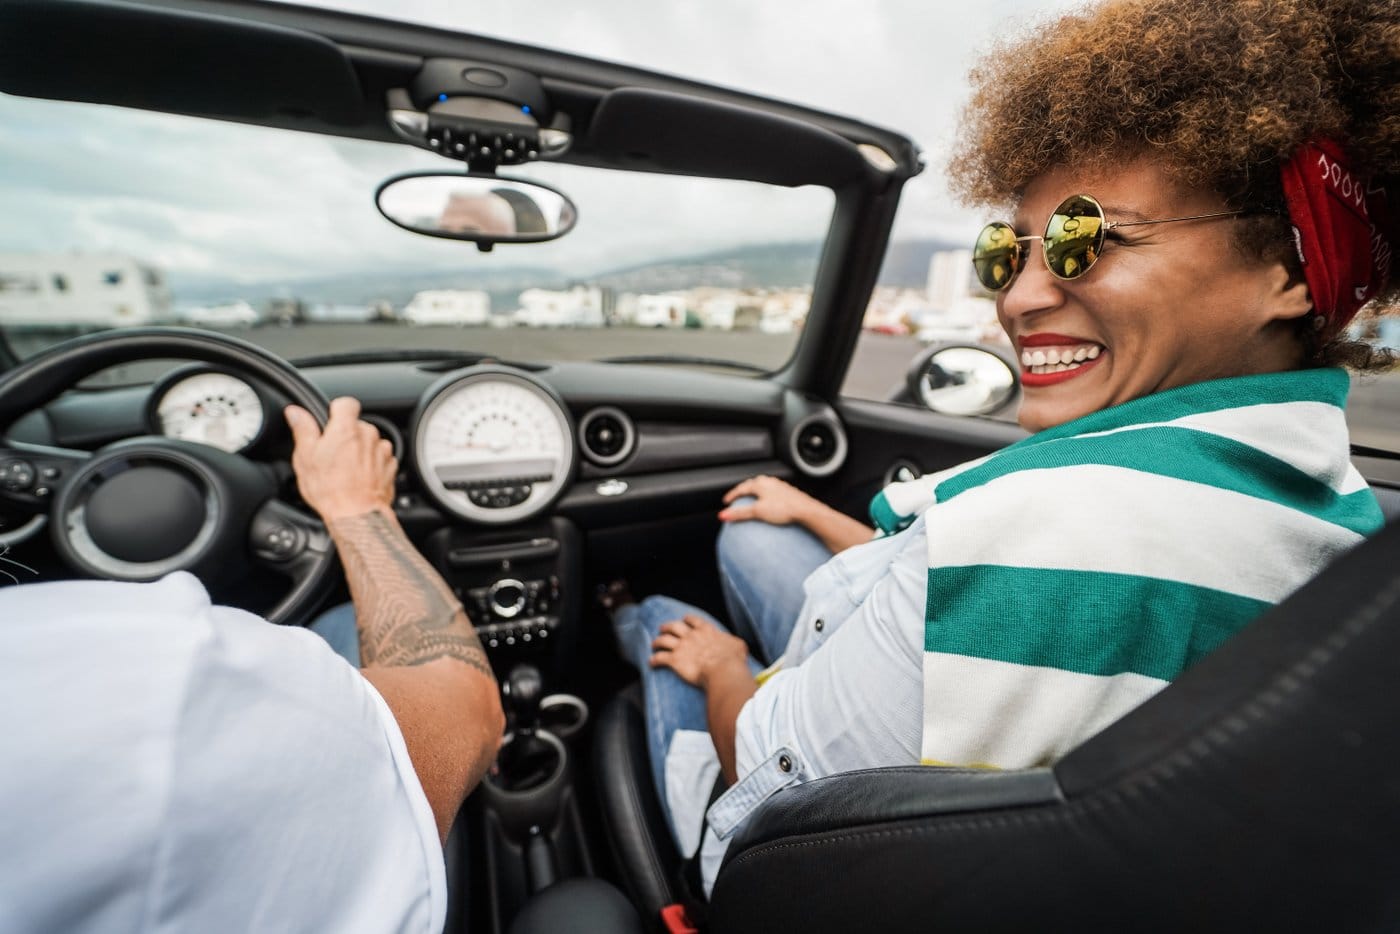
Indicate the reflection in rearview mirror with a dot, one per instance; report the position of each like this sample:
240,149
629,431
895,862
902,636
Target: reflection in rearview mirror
481,208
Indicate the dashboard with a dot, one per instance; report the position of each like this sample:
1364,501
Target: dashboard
518,483
512,478
497,446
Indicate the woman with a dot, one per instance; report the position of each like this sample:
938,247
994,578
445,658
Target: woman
1198,208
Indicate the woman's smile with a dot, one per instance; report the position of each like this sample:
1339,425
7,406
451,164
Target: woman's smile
1047,359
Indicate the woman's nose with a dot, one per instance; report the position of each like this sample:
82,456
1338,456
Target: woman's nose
1033,290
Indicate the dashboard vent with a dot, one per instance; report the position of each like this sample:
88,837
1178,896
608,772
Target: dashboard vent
816,444
607,436
819,446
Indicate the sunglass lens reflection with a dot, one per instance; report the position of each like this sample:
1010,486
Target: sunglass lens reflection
1074,237
996,257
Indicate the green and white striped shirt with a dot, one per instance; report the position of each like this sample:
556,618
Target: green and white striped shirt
1075,573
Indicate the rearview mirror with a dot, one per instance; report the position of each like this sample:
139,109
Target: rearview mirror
960,379
484,209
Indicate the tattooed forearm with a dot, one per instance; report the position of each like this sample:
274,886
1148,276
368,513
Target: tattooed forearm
404,610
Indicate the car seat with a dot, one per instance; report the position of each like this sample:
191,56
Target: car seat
1259,791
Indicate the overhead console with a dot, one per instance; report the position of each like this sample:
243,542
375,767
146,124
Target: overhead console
480,113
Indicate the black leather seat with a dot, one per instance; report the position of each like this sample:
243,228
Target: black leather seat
632,816
1260,791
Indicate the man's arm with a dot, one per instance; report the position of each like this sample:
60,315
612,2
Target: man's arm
417,646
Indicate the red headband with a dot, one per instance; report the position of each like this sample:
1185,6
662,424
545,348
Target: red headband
1339,223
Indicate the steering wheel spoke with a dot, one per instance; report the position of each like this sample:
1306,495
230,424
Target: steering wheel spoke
288,540
31,474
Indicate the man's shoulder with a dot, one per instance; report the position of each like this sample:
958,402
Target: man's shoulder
180,592
230,751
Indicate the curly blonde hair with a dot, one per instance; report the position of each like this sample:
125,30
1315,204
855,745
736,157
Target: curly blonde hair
1220,91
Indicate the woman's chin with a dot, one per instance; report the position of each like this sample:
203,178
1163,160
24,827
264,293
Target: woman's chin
1038,414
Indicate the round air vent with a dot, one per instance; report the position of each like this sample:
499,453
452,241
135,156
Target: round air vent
819,445
606,436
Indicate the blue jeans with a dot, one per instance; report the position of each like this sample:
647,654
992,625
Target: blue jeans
337,627
761,570
670,704
758,563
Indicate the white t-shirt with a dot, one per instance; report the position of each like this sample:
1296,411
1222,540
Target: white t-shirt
168,765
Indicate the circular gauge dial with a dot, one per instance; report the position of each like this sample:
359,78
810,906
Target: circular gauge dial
216,409
494,446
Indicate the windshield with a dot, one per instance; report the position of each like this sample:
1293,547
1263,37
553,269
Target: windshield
121,218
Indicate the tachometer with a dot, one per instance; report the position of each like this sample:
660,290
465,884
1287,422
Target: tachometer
493,445
211,408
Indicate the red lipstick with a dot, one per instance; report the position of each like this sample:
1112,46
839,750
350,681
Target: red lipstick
1034,380
1046,339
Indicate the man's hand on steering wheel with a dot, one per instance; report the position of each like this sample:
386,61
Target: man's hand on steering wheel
346,469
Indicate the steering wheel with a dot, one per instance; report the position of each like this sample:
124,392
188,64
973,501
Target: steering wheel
142,507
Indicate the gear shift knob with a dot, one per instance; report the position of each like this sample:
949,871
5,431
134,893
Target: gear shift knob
522,692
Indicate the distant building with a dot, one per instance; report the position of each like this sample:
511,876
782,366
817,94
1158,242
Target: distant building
951,279
785,311
461,307
726,309
960,309
582,306
98,290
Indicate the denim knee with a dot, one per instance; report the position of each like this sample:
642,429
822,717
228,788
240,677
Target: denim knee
744,544
638,624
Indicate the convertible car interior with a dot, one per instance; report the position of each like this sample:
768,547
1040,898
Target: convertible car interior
1257,792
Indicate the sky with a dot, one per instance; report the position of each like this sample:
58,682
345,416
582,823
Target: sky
204,199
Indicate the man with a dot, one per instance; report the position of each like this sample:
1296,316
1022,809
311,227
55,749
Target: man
168,764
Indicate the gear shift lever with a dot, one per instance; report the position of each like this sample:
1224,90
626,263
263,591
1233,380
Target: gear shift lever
522,693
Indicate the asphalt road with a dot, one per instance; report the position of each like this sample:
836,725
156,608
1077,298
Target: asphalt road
877,370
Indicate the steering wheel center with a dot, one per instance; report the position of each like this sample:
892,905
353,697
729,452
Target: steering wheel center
146,513
139,511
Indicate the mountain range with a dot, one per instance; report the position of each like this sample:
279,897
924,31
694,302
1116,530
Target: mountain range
773,265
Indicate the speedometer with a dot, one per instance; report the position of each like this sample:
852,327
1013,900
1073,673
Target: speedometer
493,445
211,408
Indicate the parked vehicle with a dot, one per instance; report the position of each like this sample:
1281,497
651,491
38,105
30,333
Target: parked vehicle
48,290
448,306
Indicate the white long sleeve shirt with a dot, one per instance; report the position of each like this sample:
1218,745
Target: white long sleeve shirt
813,717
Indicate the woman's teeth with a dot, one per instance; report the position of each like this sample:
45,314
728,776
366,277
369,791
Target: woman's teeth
1058,359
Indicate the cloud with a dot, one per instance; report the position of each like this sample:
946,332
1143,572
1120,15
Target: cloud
203,197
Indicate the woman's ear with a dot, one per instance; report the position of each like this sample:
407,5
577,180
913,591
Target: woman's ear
1286,294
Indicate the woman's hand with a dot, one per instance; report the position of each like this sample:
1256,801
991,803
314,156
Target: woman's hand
698,650
776,502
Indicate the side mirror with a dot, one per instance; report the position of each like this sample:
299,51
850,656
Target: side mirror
484,209
962,379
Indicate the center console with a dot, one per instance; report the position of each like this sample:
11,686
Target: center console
532,834
520,585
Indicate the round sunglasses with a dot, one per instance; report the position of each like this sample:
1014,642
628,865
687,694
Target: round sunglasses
1073,242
